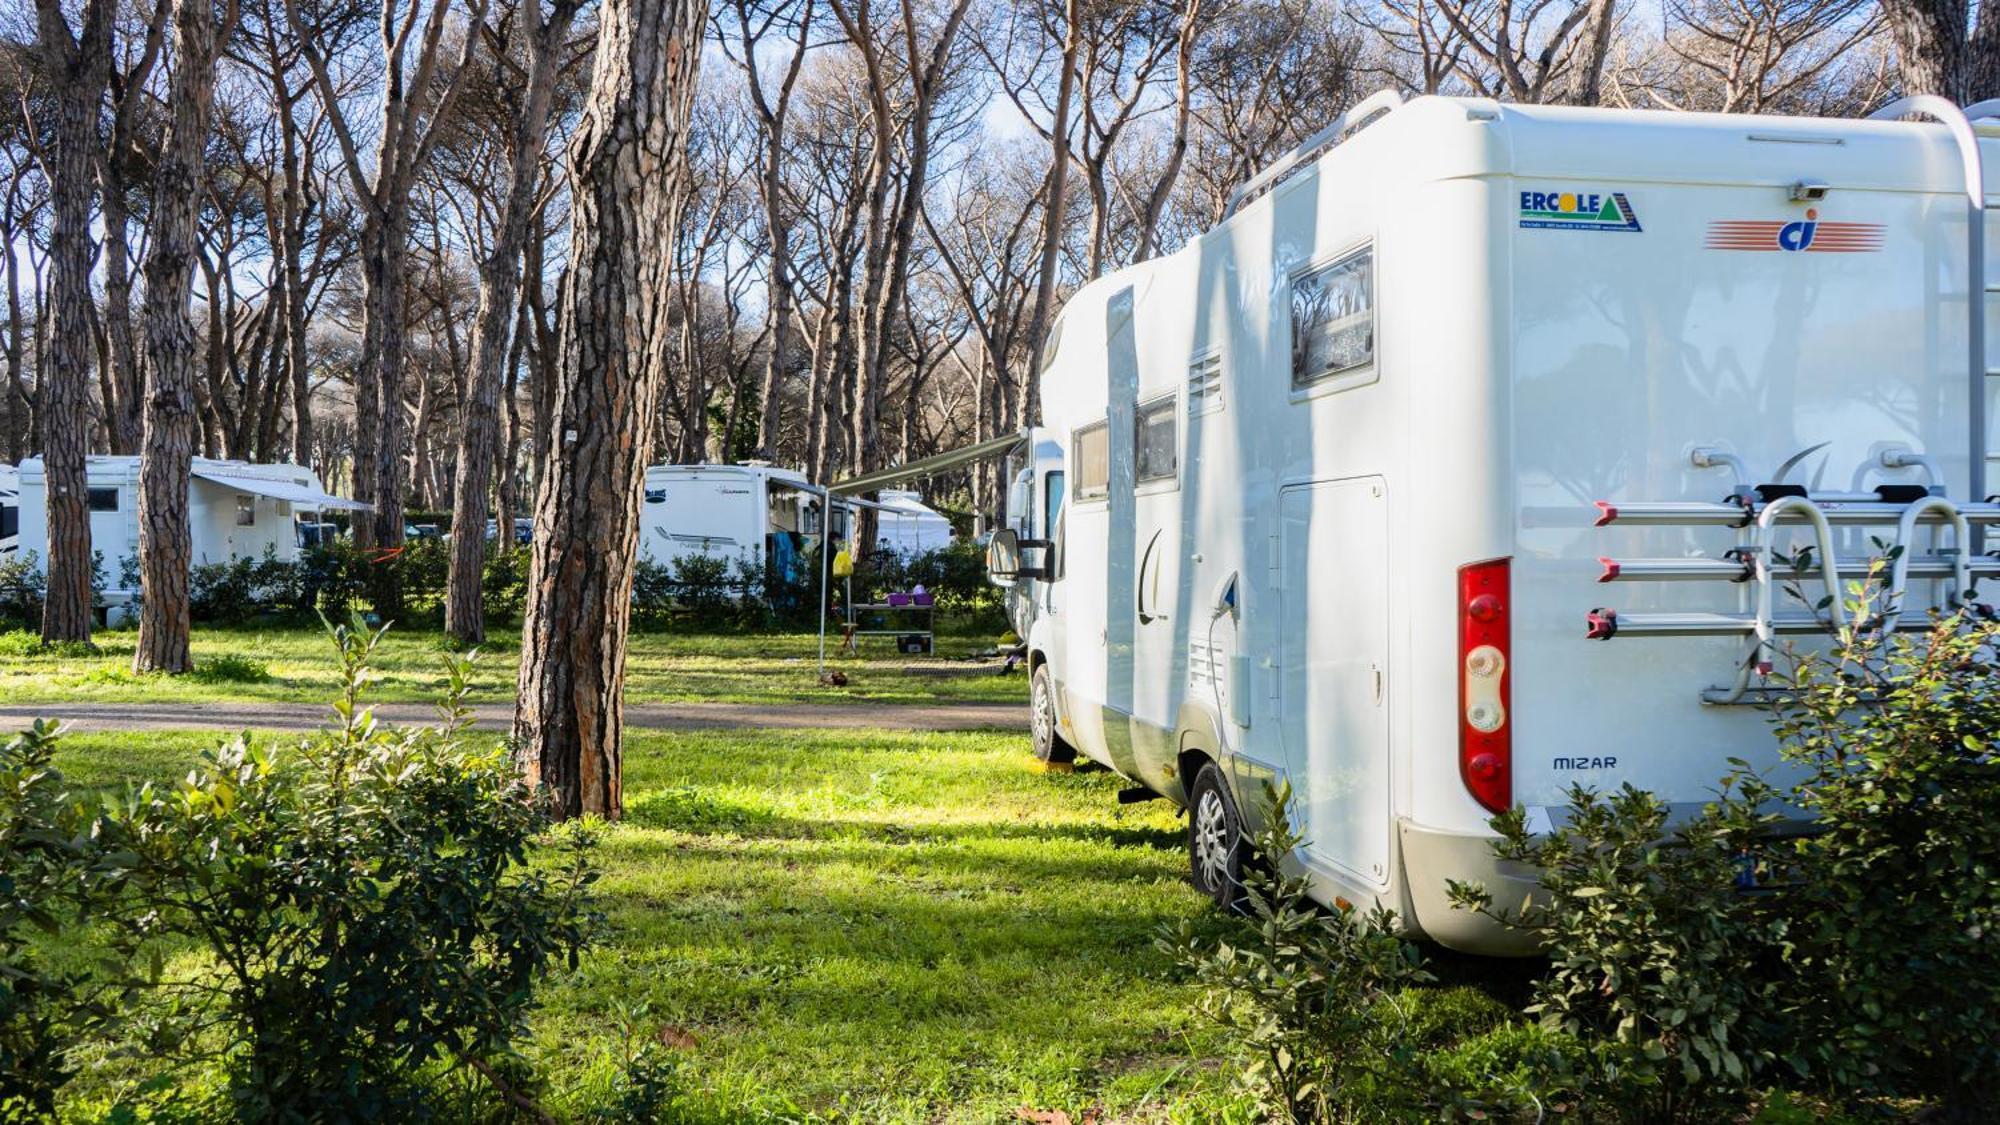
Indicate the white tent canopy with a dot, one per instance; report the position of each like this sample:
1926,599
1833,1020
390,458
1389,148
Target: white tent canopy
909,526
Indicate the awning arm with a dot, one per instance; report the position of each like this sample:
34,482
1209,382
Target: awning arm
928,466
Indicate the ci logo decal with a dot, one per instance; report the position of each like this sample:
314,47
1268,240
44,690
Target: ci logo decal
1808,235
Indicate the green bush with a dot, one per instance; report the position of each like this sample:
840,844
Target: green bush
1894,900
504,586
1836,932
1654,950
22,588
57,871
1316,998
371,904
243,589
231,668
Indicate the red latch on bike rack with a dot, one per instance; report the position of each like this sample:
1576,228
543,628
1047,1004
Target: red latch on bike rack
1601,624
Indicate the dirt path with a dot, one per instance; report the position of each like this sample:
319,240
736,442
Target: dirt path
649,716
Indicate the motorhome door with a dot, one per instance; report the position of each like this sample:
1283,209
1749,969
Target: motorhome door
1333,667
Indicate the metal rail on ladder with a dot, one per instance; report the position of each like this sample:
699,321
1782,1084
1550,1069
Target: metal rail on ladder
1359,114
1959,123
1756,512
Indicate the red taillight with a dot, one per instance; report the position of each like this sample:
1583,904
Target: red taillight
1485,749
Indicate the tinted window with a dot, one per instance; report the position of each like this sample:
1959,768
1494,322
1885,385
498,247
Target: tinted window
1158,443
103,499
1333,318
1052,499
1093,462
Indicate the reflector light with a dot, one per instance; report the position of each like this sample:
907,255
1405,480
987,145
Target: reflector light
1485,746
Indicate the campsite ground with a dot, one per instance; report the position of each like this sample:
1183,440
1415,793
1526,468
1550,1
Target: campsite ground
292,665
871,926
853,925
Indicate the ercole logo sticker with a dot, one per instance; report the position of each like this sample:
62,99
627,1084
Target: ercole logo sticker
1571,209
1810,235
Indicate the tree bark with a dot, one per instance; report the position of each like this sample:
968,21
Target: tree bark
628,170
123,409
1936,55
78,66
479,433
16,412
165,541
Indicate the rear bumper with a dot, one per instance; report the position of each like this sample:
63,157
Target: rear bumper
1431,857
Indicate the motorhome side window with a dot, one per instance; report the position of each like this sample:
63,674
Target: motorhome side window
103,499
1333,318
1157,442
246,511
1093,462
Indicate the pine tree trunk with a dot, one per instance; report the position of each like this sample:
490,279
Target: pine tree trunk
293,224
79,68
389,437
123,411
367,380
165,544
16,394
628,169
479,434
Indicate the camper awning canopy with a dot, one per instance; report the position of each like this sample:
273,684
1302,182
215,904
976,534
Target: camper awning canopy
303,495
928,466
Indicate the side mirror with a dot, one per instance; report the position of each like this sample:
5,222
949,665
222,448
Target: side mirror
1003,558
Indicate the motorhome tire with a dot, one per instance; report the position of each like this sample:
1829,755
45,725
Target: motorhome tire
1217,852
1049,744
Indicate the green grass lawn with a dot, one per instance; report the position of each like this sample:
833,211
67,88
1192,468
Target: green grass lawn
865,927
661,668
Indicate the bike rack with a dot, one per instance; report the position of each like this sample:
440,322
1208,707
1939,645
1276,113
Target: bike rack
1756,513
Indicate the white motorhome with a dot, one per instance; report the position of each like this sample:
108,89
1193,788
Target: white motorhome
10,509
1449,470
732,512
235,510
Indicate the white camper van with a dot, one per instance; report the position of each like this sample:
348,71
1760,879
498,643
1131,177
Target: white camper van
1448,471
235,509
10,509
732,512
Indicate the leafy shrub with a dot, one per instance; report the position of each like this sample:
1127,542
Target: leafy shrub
231,668
242,589
652,591
22,588
56,871
504,585
1654,950
371,906
701,585
1316,997
1894,899
1858,957
330,579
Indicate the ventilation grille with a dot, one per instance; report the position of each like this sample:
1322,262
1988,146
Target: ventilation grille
1204,384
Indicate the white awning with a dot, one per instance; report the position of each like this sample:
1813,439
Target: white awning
302,495
928,466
